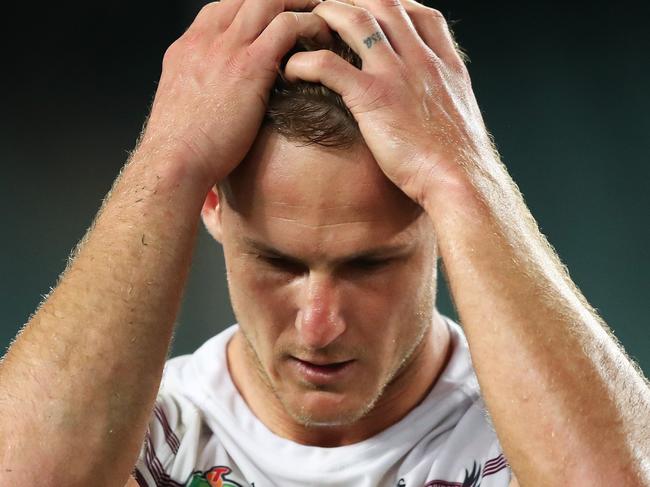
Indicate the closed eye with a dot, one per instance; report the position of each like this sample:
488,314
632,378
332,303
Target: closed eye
282,264
294,267
369,264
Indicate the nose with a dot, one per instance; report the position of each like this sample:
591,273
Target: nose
319,321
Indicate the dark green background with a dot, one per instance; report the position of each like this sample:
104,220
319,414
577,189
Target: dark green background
563,88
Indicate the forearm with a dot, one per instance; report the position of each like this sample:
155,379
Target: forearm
565,401
77,386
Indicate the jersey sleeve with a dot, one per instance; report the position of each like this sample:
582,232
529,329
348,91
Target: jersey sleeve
160,449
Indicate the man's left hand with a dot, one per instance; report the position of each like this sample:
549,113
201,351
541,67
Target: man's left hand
412,99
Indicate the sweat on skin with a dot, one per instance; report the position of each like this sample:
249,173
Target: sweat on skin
298,226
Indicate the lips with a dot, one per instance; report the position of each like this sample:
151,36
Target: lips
323,373
317,363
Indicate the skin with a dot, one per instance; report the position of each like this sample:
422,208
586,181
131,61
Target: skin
564,398
68,392
321,300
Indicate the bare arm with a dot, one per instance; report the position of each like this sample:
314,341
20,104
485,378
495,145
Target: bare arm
83,374
566,401
78,384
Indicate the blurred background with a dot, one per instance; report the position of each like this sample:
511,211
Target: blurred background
563,88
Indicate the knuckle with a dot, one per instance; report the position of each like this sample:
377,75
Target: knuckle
436,14
432,65
388,3
288,20
324,59
418,9
458,66
361,16
191,39
171,52
207,10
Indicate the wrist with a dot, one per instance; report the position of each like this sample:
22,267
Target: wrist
470,188
167,168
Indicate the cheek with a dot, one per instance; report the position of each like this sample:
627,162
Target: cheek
395,314
261,291
262,306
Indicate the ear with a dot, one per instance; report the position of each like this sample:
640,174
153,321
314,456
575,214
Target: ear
211,214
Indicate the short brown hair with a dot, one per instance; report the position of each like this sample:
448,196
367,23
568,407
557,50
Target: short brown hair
311,113
308,113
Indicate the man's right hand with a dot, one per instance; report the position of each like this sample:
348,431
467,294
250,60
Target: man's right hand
217,77
78,384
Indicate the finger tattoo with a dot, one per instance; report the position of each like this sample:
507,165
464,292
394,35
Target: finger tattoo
373,39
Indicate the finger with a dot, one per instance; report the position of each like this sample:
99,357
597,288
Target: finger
255,15
396,24
434,30
216,16
360,30
283,32
329,69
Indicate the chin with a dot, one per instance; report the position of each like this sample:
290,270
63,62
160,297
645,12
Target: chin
324,409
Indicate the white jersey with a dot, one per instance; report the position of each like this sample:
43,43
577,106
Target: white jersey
202,434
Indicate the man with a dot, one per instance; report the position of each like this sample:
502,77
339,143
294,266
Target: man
340,370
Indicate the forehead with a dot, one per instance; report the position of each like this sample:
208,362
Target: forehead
296,192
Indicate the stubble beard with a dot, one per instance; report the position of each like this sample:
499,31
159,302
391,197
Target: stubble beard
306,418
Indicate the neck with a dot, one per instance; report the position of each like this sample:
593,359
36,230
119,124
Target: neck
407,389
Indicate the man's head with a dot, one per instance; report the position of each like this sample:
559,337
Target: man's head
327,260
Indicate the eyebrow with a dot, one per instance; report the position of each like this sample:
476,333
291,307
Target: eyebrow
394,250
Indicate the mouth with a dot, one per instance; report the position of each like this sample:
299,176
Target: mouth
321,373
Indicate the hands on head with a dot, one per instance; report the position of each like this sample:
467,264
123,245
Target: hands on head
412,97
